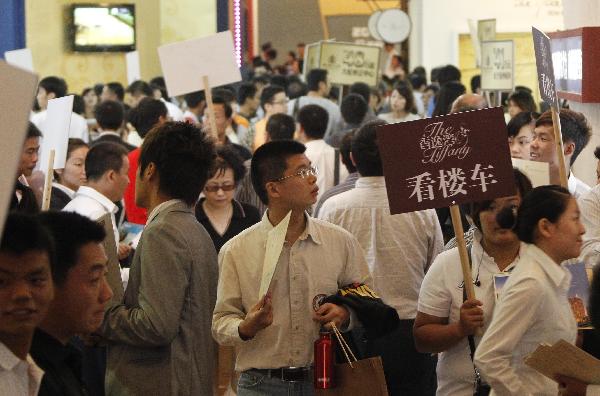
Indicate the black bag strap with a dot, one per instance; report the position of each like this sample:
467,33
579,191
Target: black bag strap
296,108
336,167
470,338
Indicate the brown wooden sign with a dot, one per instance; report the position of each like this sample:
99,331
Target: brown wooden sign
443,161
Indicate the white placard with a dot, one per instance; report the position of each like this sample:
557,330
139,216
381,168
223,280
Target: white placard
275,240
497,65
486,29
133,66
537,172
21,58
475,41
18,88
56,131
185,63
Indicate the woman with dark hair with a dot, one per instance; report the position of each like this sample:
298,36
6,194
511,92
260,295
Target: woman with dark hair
402,104
446,321
533,308
520,134
221,215
446,96
520,101
90,99
68,180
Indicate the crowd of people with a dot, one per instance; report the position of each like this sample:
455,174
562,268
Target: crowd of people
286,149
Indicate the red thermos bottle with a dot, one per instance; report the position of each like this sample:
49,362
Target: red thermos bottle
324,369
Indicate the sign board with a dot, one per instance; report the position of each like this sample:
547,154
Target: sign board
475,41
497,65
537,172
114,268
449,160
56,127
21,58
186,62
545,69
311,57
18,88
347,63
486,30
133,66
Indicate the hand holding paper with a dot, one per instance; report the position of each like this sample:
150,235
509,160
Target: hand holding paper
259,317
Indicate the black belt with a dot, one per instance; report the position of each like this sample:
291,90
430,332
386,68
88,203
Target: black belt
288,374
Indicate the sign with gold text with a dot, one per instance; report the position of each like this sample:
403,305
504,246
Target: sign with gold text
449,160
545,68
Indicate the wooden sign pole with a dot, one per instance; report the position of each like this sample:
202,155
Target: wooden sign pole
464,256
48,182
562,171
211,108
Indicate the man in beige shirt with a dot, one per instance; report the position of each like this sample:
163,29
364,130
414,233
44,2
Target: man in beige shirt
274,332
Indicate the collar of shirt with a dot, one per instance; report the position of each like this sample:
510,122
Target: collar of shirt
9,361
95,195
108,133
554,271
161,208
64,189
238,210
316,144
23,180
370,182
310,229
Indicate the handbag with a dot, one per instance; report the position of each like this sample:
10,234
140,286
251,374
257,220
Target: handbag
356,377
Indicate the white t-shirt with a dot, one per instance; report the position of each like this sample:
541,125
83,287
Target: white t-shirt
441,295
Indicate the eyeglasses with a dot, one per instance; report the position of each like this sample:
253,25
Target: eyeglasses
217,187
303,173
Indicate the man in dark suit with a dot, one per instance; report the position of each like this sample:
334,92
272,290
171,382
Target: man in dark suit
23,198
109,116
159,336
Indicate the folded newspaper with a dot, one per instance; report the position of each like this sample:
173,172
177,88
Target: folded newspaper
565,359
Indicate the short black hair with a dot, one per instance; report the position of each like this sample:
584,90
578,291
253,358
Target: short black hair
524,100
417,80
269,163
71,231
345,149
448,73
519,121
475,83
281,126
245,90
103,157
314,77
109,115
362,89
597,152
354,108
33,131
184,158
313,119
220,100
225,92
146,115
55,85
116,88
139,87
228,158
159,83
25,233
193,99
365,150
78,104
268,94
574,128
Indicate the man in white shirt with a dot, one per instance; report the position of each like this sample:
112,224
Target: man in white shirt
52,88
318,90
313,123
106,167
576,134
26,251
399,249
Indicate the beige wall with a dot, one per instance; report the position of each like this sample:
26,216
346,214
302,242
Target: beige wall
157,22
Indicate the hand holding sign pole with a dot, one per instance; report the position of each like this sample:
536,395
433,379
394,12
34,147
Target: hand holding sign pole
545,70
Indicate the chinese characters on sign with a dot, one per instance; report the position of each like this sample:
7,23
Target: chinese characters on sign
545,69
443,161
497,65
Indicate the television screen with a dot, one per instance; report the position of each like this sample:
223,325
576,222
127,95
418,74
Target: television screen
103,27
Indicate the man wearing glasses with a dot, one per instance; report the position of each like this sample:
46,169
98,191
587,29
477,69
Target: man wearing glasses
274,332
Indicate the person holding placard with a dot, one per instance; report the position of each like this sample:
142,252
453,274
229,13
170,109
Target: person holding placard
576,134
533,308
55,87
23,198
446,321
520,134
26,261
68,180
159,340
274,331
402,104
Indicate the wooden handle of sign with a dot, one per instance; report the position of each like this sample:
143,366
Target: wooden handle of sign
464,256
562,171
211,107
48,182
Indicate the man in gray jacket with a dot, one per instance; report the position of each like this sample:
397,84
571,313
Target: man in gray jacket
159,337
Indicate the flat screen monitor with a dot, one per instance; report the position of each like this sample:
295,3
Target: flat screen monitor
97,28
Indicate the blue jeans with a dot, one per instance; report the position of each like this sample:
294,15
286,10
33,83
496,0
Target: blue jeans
253,383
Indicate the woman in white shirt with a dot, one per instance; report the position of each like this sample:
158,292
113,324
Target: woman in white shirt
533,307
444,320
402,104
